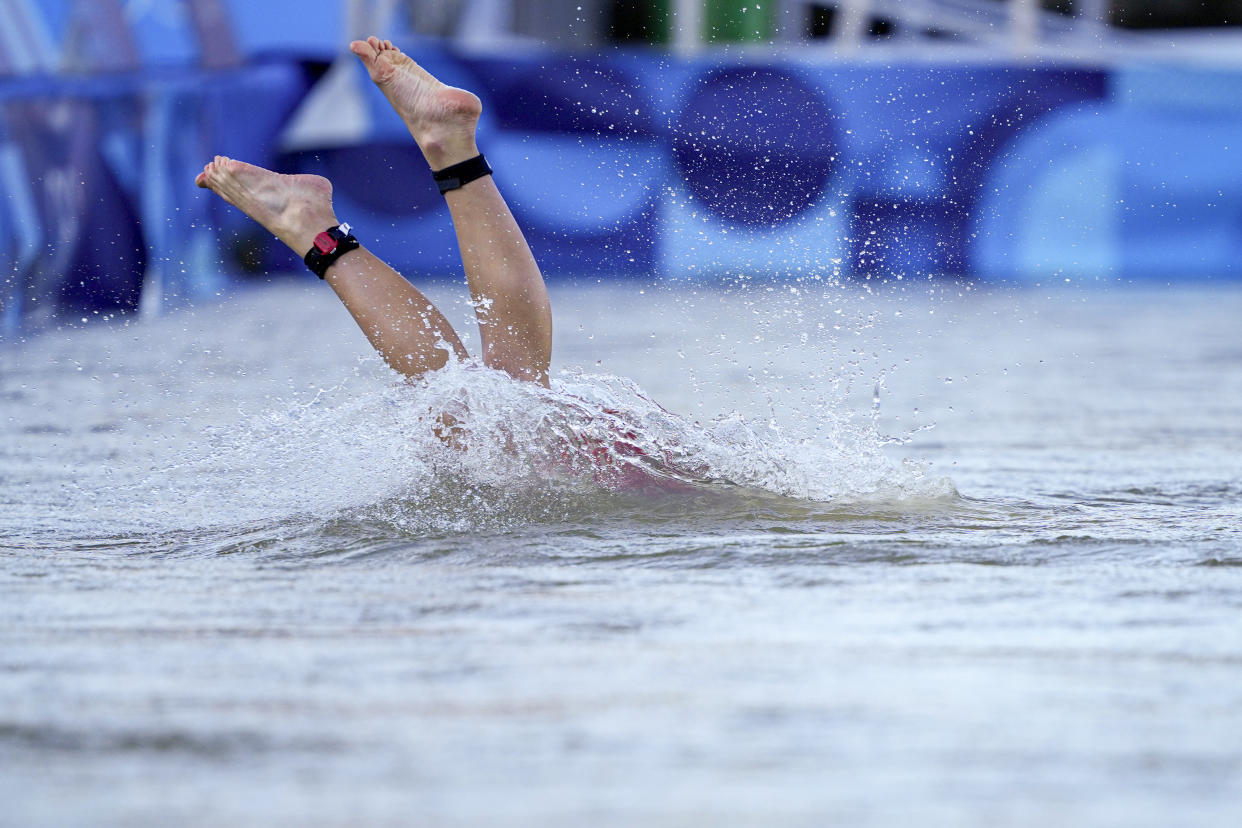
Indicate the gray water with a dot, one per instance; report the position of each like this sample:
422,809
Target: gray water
916,553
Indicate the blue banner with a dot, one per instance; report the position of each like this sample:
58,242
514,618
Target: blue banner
629,164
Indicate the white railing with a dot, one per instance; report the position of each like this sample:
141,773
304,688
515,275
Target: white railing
1018,28
1004,30
947,29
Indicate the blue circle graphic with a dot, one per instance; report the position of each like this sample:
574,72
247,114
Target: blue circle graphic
755,146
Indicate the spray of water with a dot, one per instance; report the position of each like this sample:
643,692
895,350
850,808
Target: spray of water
468,448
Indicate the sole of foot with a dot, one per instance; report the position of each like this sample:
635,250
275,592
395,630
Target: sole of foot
441,118
294,208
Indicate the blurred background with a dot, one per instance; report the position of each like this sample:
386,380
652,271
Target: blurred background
992,140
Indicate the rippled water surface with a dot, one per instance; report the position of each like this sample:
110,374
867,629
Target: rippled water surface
769,554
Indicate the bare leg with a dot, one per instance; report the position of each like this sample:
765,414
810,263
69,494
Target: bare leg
511,300
408,331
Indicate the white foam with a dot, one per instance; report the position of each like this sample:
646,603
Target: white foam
470,447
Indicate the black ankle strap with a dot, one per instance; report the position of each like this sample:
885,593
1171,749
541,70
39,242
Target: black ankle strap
461,173
329,246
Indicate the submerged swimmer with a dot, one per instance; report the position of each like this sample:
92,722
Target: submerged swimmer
410,333
625,448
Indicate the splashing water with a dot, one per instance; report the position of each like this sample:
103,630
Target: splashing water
469,447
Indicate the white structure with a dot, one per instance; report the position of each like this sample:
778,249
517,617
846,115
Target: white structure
927,28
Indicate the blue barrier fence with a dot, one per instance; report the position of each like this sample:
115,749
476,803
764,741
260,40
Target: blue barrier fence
629,164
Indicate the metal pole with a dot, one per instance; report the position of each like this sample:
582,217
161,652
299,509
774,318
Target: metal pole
485,22
25,45
1094,12
1024,23
214,28
851,24
368,17
688,25
1092,18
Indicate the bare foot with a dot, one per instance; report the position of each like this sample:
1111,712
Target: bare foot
441,118
294,208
